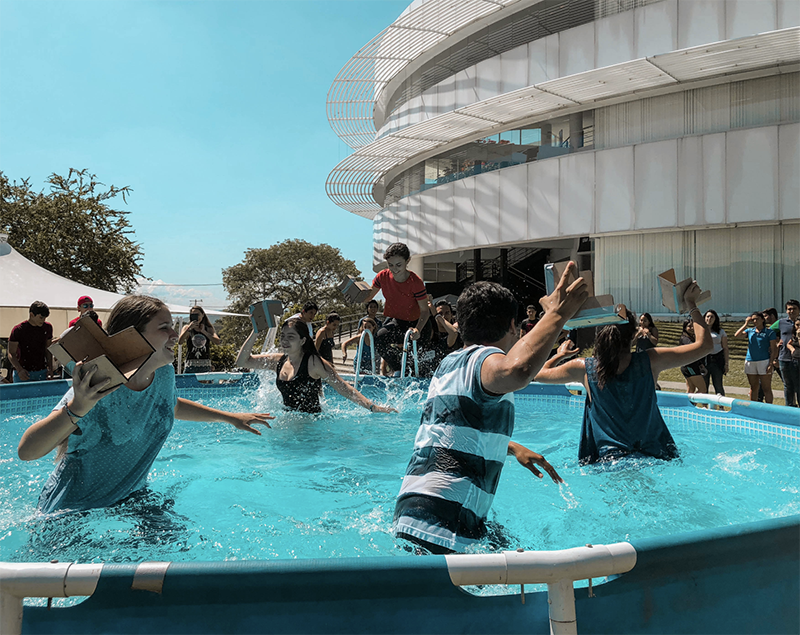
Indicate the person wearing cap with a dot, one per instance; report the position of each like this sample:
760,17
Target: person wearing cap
85,304
27,345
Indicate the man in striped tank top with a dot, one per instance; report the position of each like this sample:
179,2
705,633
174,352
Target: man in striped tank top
466,426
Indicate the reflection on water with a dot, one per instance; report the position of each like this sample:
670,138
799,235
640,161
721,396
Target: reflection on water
324,486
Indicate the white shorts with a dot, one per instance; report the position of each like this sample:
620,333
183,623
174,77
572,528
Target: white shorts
756,368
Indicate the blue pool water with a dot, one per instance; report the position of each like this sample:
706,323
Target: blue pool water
324,487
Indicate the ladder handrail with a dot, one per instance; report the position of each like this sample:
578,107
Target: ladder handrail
405,355
358,355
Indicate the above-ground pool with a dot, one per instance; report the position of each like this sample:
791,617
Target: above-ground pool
323,487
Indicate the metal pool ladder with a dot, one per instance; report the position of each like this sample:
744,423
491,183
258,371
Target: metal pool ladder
358,355
405,355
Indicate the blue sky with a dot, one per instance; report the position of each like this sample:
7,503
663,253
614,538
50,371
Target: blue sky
212,111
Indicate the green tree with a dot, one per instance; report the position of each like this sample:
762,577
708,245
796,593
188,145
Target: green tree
294,272
71,230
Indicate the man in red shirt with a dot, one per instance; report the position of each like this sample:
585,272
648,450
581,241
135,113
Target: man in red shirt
406,304
27,345
85,304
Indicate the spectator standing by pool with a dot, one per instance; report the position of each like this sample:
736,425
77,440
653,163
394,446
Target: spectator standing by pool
621,417
646,333
367,351
694,373
27,345
789,363
468,419
85,304
526,326
324,340
307,316
198,335
108,440
406,304
762,351
717,361
372,313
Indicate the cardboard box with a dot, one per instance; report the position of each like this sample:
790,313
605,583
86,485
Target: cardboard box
355,291
265,315
118,357
596,311
672,292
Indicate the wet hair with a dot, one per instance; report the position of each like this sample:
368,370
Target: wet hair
204,319
397,249
310,306
40,308
610,343
715,326
133,310
301,328
649,320
485,312
333,317
793,303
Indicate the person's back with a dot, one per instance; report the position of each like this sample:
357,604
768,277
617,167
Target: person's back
622,417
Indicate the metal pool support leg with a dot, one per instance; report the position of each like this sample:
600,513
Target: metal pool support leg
405,355
557,569
48,580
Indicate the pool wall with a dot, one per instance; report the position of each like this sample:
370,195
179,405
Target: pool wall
737,579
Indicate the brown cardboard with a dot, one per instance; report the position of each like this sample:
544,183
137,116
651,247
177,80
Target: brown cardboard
265,315
355,291
117,356
672,292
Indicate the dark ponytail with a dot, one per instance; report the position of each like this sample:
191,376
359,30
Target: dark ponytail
609,344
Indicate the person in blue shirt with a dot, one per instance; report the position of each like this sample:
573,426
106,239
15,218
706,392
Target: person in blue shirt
762,351
107,440
621,416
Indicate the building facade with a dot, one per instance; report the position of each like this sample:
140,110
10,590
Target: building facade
493,136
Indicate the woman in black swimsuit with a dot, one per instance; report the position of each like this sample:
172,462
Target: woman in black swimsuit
300,370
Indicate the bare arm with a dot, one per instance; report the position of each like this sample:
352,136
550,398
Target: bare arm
530,459
372,293
747,324
320,337
664,358
452,333
211,334
246,359
190,411
318,368
773,354
424,315
502,374
572,371
13,347
185,333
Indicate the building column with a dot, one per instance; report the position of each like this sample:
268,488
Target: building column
478,266
576,130
417,265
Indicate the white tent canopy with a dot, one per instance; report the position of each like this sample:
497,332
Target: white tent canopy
23,282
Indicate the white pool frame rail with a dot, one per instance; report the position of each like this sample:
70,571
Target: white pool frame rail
557,569
405,355
358,356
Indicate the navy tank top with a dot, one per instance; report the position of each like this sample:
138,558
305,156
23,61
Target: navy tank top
326,349
302,391
623,418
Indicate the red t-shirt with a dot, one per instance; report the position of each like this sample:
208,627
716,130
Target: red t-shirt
401,297
32,342
73,322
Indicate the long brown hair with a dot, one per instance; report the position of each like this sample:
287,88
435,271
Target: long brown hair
301,328
133,310
609,344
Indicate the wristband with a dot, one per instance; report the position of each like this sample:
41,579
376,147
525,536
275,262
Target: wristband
72,416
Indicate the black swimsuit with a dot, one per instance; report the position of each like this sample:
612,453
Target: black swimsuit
326,349
302,391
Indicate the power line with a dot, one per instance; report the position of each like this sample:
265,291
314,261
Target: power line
169,284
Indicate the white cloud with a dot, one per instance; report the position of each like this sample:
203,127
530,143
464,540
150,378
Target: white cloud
208,297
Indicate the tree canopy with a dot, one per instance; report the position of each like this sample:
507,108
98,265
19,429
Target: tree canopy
293,271
71,230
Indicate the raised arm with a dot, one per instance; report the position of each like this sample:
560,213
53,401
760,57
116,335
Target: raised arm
318,368
572,371
502,374
185,333
663,358
246,359
452,333
748,323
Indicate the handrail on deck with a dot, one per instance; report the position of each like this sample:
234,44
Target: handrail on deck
405,355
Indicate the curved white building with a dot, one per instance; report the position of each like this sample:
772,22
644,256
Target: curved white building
633,135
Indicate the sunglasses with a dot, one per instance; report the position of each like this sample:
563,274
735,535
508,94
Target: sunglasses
87,305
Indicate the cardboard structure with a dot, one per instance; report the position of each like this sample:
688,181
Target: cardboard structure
356,291
596,311
672,292
265,315
118,357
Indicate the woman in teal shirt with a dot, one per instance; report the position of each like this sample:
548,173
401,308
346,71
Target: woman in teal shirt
762,351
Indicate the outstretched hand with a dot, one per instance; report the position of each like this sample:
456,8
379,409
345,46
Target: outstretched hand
246,420
379,408
530,459
568,349
566,300
692,293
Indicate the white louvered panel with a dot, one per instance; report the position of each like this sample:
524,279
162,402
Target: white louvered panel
708,110
512,106
446,16
663,117
790,97
756,103
790,242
